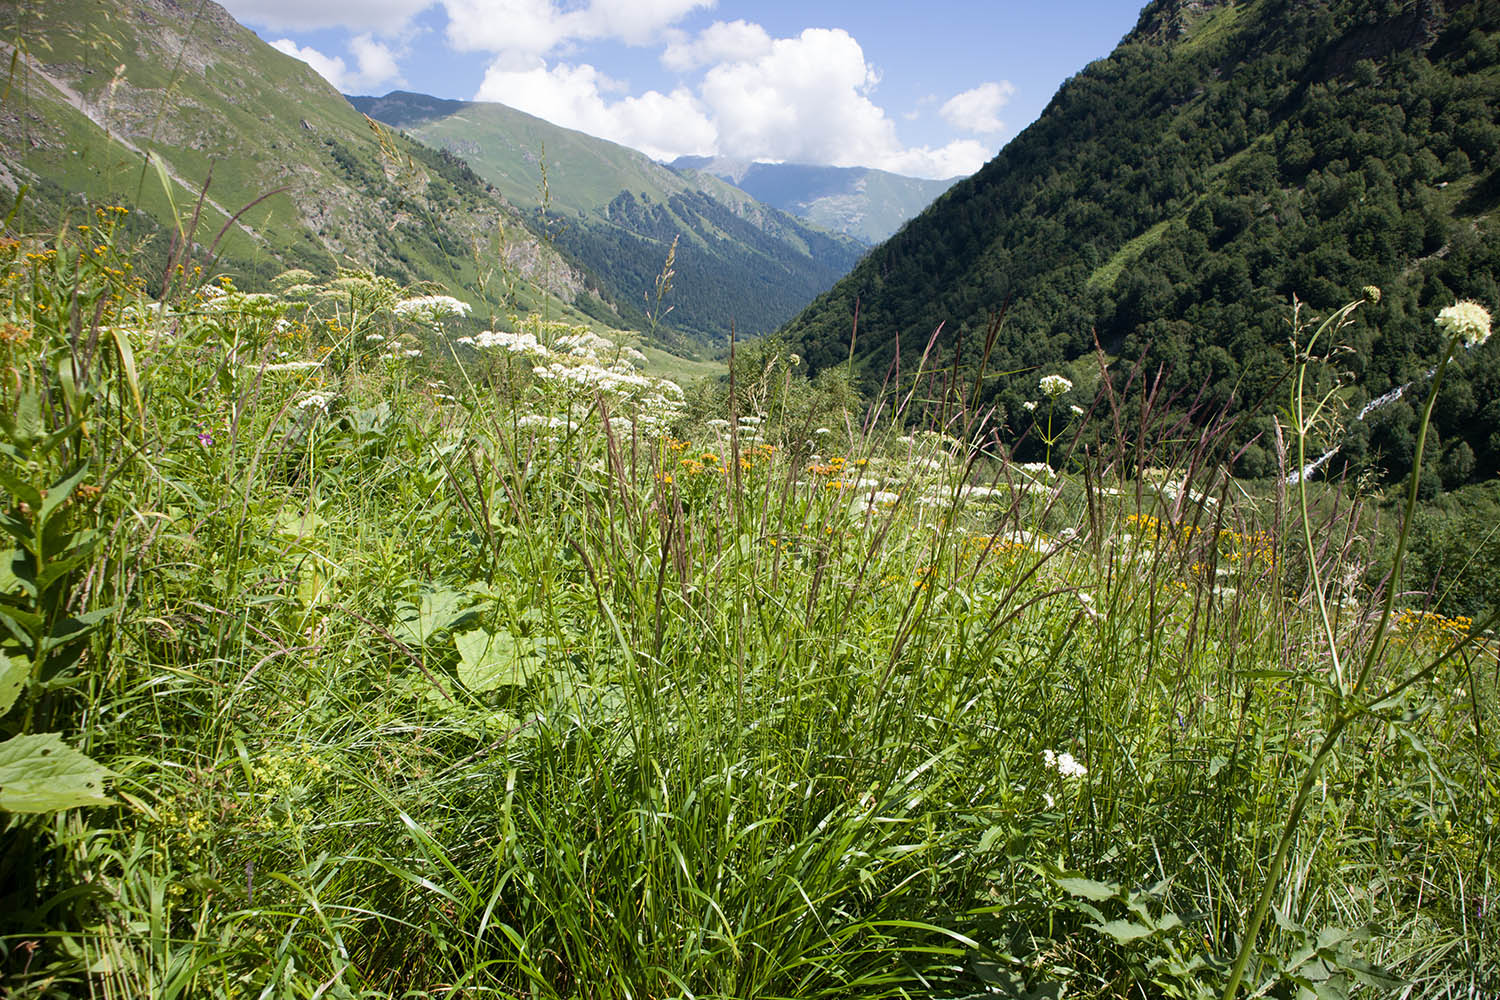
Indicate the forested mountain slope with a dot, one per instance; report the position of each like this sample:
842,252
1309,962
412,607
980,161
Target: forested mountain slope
617,211
98,87
1175,196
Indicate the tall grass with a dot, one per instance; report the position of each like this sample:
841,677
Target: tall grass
429,676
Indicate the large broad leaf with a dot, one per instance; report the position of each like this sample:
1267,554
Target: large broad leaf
1123,931
41,773
440,609
1088,888
491,660
14,672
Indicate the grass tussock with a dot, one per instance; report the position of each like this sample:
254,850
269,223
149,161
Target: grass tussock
427,665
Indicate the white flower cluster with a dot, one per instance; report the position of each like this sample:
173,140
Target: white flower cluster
1468,321
430,308
1053,386
589,346
656,400
515,343
320,400
293,366
1064,764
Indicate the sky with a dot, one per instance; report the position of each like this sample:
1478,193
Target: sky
927,88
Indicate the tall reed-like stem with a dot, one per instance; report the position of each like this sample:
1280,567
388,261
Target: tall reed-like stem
1348,700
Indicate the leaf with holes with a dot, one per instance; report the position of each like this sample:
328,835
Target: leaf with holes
40,773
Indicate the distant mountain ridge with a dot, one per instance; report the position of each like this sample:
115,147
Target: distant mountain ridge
216,106
1175,197
861,202
739,262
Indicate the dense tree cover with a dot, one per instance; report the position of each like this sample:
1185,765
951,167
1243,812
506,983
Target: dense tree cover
1175,197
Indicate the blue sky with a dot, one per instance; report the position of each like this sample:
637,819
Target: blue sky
930,89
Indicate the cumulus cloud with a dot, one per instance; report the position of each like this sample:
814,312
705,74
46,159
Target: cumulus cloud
382,16
375,63
978,110
660,125
723,41
808,100
514,28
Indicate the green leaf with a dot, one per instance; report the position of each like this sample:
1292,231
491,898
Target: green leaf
488,661
1088,888
21,490
75,627
12,582
14,672
1123,931
40,773
126,358
439,610
58,494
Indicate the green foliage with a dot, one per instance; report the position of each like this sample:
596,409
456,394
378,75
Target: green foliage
1175,196
505,667
615,211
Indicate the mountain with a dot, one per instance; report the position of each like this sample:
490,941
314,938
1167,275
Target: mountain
286,169
1175,196
861,202
617,211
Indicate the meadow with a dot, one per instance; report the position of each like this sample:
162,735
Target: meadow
352,651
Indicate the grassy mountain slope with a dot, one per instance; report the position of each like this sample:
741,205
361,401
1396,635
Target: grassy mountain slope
1175,196
861,202
216,106
617,211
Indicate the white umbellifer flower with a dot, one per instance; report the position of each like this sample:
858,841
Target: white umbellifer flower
293,366
467,341
1037,469
820,431
1053,386
374,338
515,343
430,307
1064,764
752,421
718,424
1468,321
413,353
1029,405
1077,410
315,399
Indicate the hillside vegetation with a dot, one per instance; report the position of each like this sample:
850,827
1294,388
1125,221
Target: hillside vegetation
348,656
739,262
1174,197
235,130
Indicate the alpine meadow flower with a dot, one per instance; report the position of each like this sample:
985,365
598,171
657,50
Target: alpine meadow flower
1468,321
1064,764
1053,386
430,308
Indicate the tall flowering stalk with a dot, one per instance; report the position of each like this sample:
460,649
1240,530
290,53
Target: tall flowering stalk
1464,324
1053,387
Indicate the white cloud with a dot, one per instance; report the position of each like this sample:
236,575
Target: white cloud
513,28
376,63
958,158
978,110
722,41
660,125
384,16
807,100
